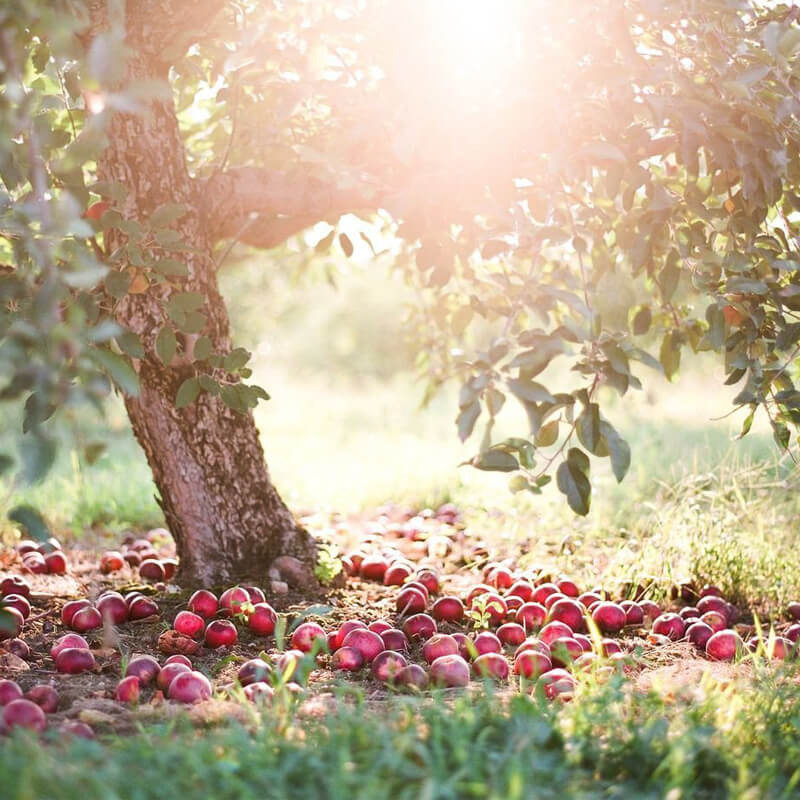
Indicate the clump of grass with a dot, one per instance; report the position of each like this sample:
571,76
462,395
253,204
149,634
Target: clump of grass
612,742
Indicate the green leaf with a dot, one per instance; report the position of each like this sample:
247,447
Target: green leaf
117,284
588,427
548,434
166,344
184,302
170,267
236,359
531,391
203,348
130,343
31,521
188,392
619,450
495,461
192,322
166,214
119,369
169,239
668,280
670,354
574,483
8,623
465,422
37,454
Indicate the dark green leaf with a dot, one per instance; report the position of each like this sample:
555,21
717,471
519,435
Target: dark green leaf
465,422
203,348
118,369
187,392
530,391
37,454
574,483
236,359
130,343
31,521
588,427
618,449
495,461
166,344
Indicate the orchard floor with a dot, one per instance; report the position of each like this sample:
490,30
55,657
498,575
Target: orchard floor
668,723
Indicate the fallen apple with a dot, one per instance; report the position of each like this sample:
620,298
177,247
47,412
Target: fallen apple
232,600
368,643
9,690
45,696
413,677
609,617
112,606
190,687
86,619
262,619
71,608
144,667
450,671
347,658
491,665
670,625
128,690
448,609
187,623
74,660
724,645
15,584
142,608
387,665
531,616
204,603
220,633
168,673
24,714
419,626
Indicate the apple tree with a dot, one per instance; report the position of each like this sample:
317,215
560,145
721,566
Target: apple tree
580,179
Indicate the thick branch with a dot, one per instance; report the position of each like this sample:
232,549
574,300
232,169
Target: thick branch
263,208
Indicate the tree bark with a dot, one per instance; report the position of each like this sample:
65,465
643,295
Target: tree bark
228,520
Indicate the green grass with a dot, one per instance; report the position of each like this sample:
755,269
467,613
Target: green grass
608,742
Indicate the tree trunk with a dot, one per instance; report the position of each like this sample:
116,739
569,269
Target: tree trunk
228,521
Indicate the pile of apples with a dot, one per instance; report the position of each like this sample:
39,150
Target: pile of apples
42,558
142,554
30,709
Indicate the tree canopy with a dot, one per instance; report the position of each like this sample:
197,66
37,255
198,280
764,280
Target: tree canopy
600,183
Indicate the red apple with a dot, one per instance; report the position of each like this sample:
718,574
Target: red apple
531,664
609,617
589,598
306,635
584,641
564,651
368,643
710,590
567,587
220,633
74,660
56,563
522,589
35,563
373,568
793,609
45,696
394,639
698,633
133,558
650,609
24,714
151,569
387,665
19,602
420,587
18,648
111,561
511,634
142,608
347,658
633,612
491,665
715,620
203,603
397,574
15,584
477,591
112,606
438,645
346,627
26,546
232,600
68,640
557,683
260,693
568,611
413,676
531,616
670,625
143,667
450,671
448,609
609,647
71,608
178,658
553,598
724,645
429,579
187,623
86,619
466,649
74,727
253,671
410,601
542,592
9,690
487,642
262,619
712,602
168,673
500,577
513,603
555,630
128,690
170,566
190,687
419,626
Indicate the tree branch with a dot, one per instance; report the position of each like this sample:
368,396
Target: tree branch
264,207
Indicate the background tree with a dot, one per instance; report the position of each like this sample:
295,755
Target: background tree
577,178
